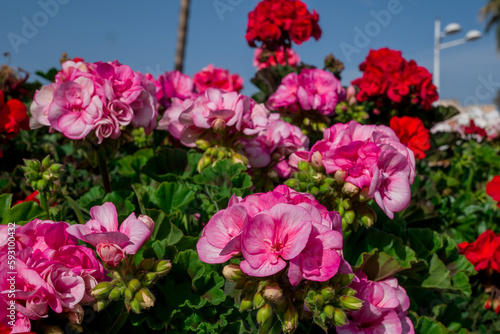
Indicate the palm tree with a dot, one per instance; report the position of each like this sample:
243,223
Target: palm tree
491,14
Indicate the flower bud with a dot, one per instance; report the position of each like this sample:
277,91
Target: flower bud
315,191
111,254
75,315
162,267
349,216
363,194
346,279
317,161
219,125
319,301
52,330
329,311
135,306
147,264
101,305
366,215
246,303
204,162
340,176
115,294
238,158
487,305
264,313
202,144
351,303
128,294
302,176
134,285
303,166
339,317
148,279
233,273
102,290
347,204
273,292
290,319
33,164
41,184
291,183
327,293
324,188
346,291
145,298
147,221
496,305
74,328
303,186
56,168
350,189
46,162
258,300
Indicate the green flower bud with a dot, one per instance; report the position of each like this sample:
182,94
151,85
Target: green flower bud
40,185
291,183
273,292
129,294
347,203
115,294
56,168
134,285
319,301
101,305
340,176
162,267
341,210
202,144
204,162
340,317
327,293
368,217
51,329
347,292
329,311
349,216
351,302
314,191
290,319
46,162
246,303
303,186
302,176
346,279
146,264
102,290
148,279
33,176
363,194
233,273
145,298
324,189
329,181
221,155
33,164
302,165
47,175
264,313
135,306
258,300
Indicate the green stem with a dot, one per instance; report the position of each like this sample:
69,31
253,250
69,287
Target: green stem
119,322
103,168
44,205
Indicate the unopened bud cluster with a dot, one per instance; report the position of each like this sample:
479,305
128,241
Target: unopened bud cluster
131,285
217,153
493,303
329,301
42,176
345,198
345,111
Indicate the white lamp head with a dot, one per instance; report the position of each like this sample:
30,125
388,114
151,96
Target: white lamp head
452,28
473,35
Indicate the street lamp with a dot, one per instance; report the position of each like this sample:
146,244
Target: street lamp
450,29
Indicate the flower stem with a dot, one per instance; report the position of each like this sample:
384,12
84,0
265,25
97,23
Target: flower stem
119,322
103,168
44,205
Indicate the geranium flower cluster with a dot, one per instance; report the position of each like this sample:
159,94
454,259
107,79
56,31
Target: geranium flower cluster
113,243
13,117
473,123
275,21
311,90
273,231
170,85
275,144
282,56
484,253
54,273
212,77
370,158
99,97
386,74
411,131
493,189
385,307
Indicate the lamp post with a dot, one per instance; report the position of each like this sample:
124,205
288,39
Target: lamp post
450,29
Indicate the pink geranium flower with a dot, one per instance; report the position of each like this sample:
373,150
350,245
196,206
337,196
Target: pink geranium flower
102,232
212,77
221,237
272,237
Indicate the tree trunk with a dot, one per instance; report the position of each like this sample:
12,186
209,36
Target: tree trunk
181,35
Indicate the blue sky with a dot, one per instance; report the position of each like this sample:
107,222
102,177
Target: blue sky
142,34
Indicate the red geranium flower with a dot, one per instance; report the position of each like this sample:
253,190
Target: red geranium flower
493,189
474,129
13,117
30,198
412,132
484,252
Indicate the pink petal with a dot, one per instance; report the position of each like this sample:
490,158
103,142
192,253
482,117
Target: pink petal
106,215
137,231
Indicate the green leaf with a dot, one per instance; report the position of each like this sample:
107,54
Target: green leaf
167,165
5,201
424,242
22,213
426,325
439,276
171,197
